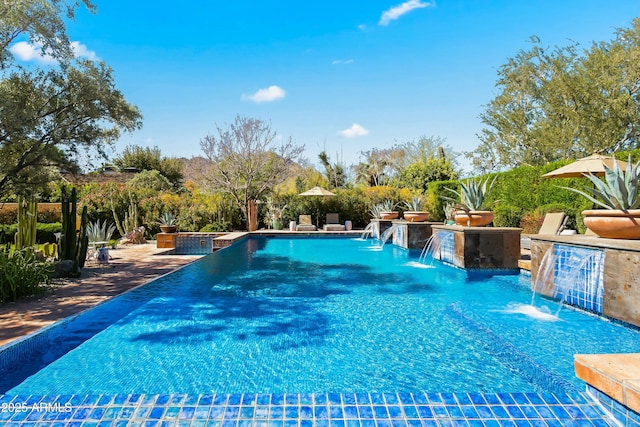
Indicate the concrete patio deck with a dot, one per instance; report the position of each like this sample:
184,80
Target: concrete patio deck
129,267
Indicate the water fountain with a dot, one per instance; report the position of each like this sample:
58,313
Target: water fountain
434,248
569,275
387,234
369,230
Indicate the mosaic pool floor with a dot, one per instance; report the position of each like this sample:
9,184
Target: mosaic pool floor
403,409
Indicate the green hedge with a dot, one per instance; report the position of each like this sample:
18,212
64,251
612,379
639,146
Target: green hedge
44,232
435,190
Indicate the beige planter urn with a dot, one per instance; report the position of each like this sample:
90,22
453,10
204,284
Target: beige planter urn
473,218
613,224
415,216
389,215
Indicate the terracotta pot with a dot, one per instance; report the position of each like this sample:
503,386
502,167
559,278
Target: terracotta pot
168,228
473,218
389,215
416,216
613,224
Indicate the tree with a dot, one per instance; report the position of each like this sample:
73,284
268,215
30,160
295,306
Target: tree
247,163
41,112
563,104
148,159
334,172
418,175
42,22
373,171
48,116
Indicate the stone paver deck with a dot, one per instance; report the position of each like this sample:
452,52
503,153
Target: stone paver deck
129,267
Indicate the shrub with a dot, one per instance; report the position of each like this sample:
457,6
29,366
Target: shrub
507,216
44,232
22,275
216,227
435,192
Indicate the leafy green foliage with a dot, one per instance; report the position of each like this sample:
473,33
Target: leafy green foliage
507,215
22,275
418,175
75,108
44,232
148,159
563,103
151,180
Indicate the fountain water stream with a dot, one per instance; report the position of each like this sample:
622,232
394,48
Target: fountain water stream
569,275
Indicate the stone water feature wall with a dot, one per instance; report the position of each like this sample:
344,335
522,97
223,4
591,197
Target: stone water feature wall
483,247
615,273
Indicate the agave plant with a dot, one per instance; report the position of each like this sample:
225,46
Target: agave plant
99,232
619,190
167,219
387,206
377,209
472,194
414,205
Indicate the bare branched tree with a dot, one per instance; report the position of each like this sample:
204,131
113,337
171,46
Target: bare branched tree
247,162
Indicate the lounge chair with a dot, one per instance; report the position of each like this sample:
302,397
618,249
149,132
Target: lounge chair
304,223
553,224
333,223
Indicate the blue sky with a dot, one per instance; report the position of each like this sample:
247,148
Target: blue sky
344,76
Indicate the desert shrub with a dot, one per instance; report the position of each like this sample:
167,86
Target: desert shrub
22,275
150,181
507,216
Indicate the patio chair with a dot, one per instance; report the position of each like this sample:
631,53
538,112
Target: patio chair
333,223
553,224
304,223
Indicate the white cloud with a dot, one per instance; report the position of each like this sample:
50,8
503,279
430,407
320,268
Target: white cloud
33,52
354,131
272,93
80,50
342,61
397,11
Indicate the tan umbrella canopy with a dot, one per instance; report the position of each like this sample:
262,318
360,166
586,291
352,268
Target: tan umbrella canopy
317,191
593,164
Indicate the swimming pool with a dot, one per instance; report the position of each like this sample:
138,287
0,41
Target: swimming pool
293,315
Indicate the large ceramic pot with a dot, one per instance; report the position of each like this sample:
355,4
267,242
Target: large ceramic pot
415,216
389,215
613,224
473,218
168,228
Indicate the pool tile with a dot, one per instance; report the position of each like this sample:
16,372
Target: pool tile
389,409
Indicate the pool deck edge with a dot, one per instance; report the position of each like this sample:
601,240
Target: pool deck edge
616,375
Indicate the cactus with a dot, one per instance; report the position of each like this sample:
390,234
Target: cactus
50,250
27,222
73,245
130,221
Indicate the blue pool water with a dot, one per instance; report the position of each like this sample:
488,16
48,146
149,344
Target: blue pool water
280,315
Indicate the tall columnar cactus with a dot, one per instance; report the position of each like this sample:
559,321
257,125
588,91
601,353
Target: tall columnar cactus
27,223
73,245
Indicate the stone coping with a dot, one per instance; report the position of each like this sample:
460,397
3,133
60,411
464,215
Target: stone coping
616,375
488,230
591,241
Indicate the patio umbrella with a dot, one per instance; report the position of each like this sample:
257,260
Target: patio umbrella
593,164
317,191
